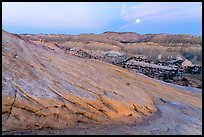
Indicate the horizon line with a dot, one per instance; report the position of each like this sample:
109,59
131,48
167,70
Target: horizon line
196,35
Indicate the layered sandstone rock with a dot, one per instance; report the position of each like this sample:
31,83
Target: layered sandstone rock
44,87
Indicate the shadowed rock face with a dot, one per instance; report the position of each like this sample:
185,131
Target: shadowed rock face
44,87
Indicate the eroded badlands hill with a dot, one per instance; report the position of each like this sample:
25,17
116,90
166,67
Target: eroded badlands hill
43,87
118,48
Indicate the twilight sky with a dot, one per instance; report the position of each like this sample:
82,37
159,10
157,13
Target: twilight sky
98,17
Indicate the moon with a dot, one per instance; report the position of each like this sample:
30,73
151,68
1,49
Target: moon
137,20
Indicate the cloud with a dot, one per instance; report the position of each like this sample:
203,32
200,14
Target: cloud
161,12
61,15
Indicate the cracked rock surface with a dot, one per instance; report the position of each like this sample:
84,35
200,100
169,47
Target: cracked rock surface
44,88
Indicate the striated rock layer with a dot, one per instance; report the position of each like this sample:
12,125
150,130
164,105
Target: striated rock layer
44,87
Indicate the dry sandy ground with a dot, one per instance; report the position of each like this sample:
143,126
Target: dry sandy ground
172,119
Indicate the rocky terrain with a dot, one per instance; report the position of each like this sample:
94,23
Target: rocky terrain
85,84
149,54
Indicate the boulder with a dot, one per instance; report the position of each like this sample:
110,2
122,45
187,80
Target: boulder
187,63
113,53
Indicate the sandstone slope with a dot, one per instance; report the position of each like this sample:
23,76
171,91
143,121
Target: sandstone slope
44,87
